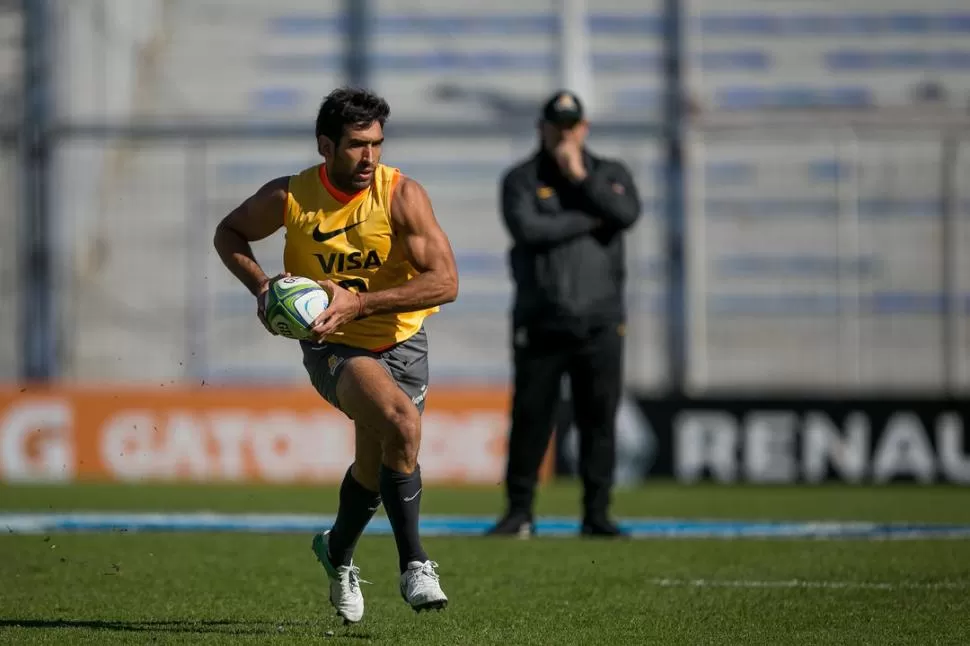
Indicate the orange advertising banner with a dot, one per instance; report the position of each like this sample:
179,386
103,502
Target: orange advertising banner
238,434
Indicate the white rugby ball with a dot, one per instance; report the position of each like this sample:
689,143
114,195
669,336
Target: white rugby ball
292,304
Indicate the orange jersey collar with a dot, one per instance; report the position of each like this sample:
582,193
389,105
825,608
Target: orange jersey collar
335,192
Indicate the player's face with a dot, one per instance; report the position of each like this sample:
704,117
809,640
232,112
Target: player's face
554,134
351,165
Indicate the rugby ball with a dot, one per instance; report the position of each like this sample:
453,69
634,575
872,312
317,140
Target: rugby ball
292,304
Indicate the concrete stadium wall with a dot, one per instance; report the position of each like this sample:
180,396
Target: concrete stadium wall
146,299
11,27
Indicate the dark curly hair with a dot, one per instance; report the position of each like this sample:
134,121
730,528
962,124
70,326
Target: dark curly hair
349,106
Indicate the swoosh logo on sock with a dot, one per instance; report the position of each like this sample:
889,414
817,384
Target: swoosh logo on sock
410,498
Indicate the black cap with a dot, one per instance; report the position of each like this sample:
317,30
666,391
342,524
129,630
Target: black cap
563,108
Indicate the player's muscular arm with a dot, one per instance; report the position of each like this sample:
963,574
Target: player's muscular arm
426,248
260,216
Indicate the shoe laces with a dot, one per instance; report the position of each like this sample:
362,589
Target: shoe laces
428,569
352,579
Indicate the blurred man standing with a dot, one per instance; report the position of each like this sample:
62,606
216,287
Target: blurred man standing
566,210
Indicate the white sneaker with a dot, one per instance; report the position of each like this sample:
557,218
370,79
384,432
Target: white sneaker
345,595
420,587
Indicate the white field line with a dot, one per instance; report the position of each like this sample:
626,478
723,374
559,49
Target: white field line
809,585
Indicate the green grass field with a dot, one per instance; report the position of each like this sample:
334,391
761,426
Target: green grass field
121,588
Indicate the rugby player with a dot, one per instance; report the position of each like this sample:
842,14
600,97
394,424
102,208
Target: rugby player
368,234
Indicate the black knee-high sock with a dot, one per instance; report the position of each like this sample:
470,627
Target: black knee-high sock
402,502
357,506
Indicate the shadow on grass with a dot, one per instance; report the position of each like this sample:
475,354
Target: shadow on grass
204,626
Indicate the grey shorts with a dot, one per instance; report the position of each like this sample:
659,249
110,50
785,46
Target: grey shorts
406,363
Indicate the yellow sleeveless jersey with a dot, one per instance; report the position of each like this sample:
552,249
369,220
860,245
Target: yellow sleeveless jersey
331,235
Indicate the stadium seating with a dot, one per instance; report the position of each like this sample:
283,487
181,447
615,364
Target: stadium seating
143,212
10,96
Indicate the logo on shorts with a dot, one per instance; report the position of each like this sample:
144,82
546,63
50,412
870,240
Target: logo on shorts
417,399
333,362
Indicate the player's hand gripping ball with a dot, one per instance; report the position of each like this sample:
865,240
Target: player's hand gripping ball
292,304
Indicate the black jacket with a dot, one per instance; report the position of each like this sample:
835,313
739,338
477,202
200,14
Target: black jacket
567,258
